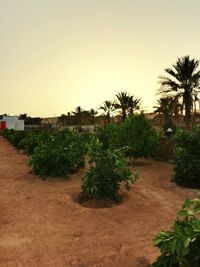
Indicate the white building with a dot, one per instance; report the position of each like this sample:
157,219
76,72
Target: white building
11,122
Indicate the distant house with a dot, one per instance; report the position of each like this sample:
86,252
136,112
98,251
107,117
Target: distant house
50,122
11,122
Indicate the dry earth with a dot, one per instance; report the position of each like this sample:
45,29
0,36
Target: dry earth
42,225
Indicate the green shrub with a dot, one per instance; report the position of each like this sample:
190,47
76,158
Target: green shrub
180,247
187,158
107,172
32,140
140,136
111,136
14,137
136,133
59,155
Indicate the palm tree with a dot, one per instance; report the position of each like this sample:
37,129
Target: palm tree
78,113
108,108
23,116
134,103
93,113
126,103
62,119
166,107
183,81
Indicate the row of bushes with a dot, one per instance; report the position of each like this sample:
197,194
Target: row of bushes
60,153
52,153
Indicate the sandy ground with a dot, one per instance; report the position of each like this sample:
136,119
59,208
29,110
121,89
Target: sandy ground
41,224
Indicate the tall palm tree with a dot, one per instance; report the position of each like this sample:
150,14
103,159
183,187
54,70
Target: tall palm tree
182,80
23,116
165,106
78,112
93,113
62,119
134,103
127,103
107,108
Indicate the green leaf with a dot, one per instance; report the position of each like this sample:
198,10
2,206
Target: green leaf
197,225
190,212
186,241
173,245
187,203
182,213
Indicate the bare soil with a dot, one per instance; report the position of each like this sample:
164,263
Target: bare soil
42,223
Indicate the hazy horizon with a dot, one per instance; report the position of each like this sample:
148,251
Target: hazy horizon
59,54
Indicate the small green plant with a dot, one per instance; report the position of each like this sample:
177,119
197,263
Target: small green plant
187,157
107,172
180,247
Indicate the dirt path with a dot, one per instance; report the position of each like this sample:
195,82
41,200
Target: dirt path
41,224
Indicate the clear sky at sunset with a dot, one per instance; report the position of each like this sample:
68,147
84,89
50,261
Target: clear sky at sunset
59,54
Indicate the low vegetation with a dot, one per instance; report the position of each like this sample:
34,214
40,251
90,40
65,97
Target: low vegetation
107,172
140,137
59,155
52,153
136,133
187,158
180,246
14,137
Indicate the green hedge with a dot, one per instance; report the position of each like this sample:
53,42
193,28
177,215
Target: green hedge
136,133
187,157
52,153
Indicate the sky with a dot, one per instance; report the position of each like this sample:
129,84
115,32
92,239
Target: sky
56,55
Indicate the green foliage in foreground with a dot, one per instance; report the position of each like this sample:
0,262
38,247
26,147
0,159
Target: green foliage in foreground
181,246
187,157
107,172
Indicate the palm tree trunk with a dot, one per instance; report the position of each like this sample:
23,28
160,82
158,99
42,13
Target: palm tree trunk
123,115
187,110
108,117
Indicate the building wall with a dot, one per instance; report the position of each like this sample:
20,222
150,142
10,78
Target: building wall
12,122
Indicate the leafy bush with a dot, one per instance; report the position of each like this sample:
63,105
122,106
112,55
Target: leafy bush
85,138
108,170
14,137
180,247
32,140
140,136
136,133
111,136
187,158
59,155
